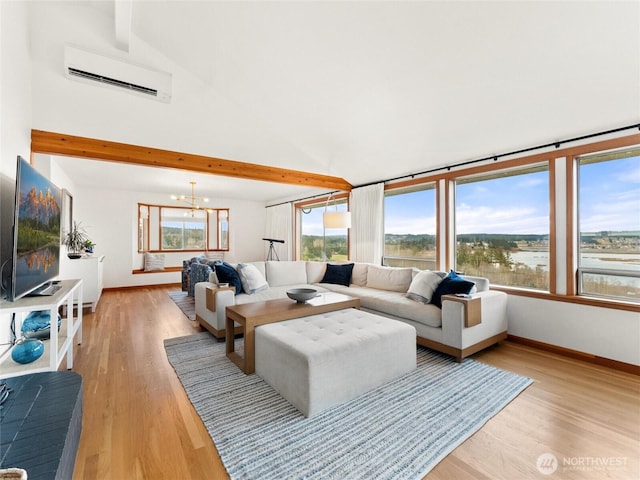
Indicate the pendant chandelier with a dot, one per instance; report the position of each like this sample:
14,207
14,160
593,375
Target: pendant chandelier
191,200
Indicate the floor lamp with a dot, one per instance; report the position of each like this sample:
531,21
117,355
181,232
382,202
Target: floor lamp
332,220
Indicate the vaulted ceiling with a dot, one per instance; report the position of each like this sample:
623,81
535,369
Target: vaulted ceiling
363,91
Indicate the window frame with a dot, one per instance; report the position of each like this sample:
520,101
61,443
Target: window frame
412,186
516,169
563,216
580,271
153,227
324,201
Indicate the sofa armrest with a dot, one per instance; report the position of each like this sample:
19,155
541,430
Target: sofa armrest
493,320
472,308
223,298
482,283
211,293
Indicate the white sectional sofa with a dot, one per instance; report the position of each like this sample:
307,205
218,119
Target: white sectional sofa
381,290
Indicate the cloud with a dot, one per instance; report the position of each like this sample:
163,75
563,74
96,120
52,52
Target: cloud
630,176
532,182
485,219
401,226
612,215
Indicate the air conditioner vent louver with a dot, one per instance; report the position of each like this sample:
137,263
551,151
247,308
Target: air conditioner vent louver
112,81
110,72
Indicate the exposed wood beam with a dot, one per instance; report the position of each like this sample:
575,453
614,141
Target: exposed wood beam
81,147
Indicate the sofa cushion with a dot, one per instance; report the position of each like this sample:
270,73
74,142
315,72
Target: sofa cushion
423,285
452,283
396,304
338,274
359,274
252,280
395,279
227,274
286,273
393,304
315,271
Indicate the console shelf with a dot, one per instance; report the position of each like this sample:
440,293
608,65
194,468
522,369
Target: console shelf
61,342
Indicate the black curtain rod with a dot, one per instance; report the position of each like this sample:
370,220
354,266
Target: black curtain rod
304,198
508,154
555,144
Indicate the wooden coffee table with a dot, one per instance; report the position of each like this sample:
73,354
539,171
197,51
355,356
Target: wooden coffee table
251,315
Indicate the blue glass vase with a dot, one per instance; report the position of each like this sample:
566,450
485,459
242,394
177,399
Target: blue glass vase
27,350
38,325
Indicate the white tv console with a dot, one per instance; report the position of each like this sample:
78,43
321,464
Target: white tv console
90,270
61,342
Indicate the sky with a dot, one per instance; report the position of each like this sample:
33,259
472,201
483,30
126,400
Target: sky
609,200
504,205
312,221
516,204
610,195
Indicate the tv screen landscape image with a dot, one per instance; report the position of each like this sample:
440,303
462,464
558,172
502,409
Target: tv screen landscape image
36,234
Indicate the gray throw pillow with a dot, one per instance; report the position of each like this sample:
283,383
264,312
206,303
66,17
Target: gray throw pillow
153,261
423,285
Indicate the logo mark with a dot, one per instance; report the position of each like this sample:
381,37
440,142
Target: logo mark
547,463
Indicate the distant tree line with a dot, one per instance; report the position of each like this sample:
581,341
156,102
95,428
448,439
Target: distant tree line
178,238
336,247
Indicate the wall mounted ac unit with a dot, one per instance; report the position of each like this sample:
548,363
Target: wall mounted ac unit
95,69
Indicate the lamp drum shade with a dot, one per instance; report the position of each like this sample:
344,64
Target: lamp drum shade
336,219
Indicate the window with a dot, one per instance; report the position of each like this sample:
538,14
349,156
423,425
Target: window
410,227
502,227
162,228
319,244
180,232
609,224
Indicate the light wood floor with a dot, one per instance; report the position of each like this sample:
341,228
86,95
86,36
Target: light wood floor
138,423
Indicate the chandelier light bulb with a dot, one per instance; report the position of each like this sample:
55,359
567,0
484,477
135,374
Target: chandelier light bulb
192,200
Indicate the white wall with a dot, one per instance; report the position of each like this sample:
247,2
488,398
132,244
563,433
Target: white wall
608,333
110,219
198,116
15,120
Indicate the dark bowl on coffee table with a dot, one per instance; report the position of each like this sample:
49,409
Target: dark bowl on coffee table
301,295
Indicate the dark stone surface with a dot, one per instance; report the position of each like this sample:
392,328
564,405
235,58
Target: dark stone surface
40,424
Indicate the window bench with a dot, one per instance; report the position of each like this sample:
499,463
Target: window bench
164,270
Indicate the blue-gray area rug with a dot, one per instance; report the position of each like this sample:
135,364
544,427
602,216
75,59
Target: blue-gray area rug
400,430
185,303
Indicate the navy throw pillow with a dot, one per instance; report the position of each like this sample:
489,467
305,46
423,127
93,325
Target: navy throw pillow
227,274
338,274
452,283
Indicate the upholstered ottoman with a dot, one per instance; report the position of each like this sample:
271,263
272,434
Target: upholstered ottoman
323,360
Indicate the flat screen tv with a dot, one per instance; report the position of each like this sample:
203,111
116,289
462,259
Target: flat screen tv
36,233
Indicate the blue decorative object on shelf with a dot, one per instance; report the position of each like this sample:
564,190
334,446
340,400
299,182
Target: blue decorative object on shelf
37,325
27,350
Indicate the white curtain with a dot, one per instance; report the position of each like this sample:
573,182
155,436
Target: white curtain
367,224
279,226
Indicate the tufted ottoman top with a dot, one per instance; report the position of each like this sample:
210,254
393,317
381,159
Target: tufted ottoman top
334,330
322,360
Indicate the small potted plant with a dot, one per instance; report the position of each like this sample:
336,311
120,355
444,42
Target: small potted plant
75,240
88,246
